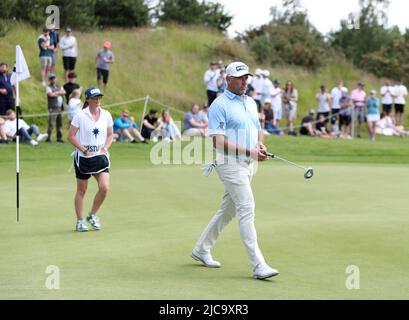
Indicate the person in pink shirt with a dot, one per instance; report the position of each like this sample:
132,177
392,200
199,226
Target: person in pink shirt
358,97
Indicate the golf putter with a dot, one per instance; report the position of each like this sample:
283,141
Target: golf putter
308,172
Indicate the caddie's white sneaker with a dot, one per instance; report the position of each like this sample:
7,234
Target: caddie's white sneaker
263,271
93,220
33,142
41,137
207,260
81,226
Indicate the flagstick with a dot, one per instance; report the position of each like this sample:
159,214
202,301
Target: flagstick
18,149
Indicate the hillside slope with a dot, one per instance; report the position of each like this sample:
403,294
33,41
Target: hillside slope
166,63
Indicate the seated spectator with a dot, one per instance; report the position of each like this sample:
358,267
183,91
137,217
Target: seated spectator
385,126
25,131
307,122
167,129
149,123
3,136
125,127
345,112
269,118
74,105
71,85
321,127
203,114
194,127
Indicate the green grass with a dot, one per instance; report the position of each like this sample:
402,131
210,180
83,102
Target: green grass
166,63
353,212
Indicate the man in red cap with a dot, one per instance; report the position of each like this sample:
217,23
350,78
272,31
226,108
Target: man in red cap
102,61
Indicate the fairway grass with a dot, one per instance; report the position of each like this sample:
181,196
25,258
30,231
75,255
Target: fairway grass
350,213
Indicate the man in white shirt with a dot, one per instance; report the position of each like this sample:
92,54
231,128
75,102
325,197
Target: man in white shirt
257,84
276,102
400,93
267,86
387,97
336,94
69,47
25,130
210,79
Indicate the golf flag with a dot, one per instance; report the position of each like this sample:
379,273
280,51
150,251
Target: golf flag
21,68
20,73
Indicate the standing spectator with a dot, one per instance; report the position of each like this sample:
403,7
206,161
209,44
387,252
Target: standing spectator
324,100
46,53
345,112
167,129
55,99
221,82
267,86
6,90
69,47
373,116
104,58
257,84
276,100
290,98
210,78
336,94
387,97
400,93
358,97
74,105
149,123
193,124
54,41
71,85
25,130
125,127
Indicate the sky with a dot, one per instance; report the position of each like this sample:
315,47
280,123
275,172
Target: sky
325,15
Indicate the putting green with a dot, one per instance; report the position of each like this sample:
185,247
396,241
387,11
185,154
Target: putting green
311,230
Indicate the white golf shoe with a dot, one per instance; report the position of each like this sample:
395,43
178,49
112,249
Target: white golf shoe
93,220
263,271
207,260
41,137
33,143
81,226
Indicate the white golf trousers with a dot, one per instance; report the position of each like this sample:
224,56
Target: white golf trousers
237,201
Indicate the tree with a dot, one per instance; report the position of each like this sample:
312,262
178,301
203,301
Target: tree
368,34
125,13
192,12
288,38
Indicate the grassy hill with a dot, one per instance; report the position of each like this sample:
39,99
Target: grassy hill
166,63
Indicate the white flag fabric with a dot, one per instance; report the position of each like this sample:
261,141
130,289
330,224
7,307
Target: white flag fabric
21,67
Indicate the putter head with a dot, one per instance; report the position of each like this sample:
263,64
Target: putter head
309,173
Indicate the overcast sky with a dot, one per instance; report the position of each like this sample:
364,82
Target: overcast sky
324,14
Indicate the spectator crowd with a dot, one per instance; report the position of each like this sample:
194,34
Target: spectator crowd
337,113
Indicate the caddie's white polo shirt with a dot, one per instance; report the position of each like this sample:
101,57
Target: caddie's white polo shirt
92,134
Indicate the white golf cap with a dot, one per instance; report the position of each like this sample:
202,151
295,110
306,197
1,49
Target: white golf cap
373,91
265,73
267,101
258,72
237,70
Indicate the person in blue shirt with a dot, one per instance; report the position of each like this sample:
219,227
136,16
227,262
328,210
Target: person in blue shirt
372,116
238,139
125,127
6,90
